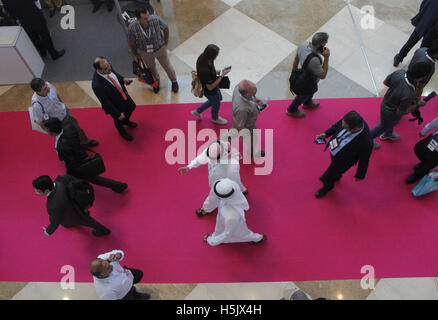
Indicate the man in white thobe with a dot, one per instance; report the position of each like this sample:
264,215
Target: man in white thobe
230,221
223,162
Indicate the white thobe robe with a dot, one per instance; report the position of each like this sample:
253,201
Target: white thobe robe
230,221
217,170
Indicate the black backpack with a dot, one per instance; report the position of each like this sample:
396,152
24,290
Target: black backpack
302,81
79,191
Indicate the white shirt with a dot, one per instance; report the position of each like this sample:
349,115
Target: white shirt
53,107
113,76
118,283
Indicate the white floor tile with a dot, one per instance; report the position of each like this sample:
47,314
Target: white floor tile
53,291
252,54
239,291
231,3
406,289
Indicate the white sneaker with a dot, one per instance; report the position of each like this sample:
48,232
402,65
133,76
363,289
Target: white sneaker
197,114
392,137
220,121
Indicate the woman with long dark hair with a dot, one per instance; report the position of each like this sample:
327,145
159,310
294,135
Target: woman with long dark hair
210,80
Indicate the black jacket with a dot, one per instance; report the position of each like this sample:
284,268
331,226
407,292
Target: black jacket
357,150
26,11
61,210
69,148
110,98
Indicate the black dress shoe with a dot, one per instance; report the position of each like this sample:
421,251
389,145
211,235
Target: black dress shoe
397,60
321,192
175,87
59,54
157,89
127,136
412,179
92,143
131,124
101,232
120,188
142,296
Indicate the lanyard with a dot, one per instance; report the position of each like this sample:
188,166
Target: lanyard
150,31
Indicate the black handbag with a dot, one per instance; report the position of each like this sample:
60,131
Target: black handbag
91,168
225,83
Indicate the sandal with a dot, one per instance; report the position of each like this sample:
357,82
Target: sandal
201,212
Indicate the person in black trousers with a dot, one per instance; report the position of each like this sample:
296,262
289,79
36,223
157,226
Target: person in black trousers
74,155
350,143
426,151
62,209
35,25
426,27
109,87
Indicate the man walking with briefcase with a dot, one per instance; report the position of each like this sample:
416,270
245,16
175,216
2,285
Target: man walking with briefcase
77,162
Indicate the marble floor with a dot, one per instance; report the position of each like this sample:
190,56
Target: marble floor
258,38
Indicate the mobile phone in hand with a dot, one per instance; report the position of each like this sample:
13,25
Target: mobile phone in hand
226,69
320,141
262,107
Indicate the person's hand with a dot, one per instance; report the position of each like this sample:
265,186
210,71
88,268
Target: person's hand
218,72
326,53
421,103
122,116
183,170
258,101
321,136
115,257
357,179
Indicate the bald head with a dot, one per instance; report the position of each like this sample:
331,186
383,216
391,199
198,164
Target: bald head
102,65
247,88
100,268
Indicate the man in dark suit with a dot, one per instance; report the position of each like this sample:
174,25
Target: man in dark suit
350,143
33,21
109,87
73,154
62,209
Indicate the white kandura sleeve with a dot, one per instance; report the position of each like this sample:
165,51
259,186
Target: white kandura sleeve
199,160
430,126
105,256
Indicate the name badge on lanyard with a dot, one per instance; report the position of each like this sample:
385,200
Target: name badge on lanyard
334,144
149,48
432,145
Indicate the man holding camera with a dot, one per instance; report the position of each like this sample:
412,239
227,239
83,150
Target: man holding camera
308,55
350,143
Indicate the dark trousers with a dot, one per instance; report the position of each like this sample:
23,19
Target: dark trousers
138,275
40,36
428,159
105,182
299,100
430,36
120,123
412,41
385,126
331,175
86,220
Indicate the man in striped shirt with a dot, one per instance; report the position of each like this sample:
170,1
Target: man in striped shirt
148,38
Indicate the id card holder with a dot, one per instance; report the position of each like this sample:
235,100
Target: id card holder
334,144
150,48
432,145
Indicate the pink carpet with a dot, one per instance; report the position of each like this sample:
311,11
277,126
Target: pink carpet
374,222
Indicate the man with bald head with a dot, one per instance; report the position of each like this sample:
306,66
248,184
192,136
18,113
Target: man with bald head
112,282
246,110
109,87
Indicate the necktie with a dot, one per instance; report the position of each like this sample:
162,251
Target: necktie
117,87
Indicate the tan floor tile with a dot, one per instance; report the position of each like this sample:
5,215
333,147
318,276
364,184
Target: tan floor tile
294,21
398,13
165,291
3,89
335,289
187,17
10,289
